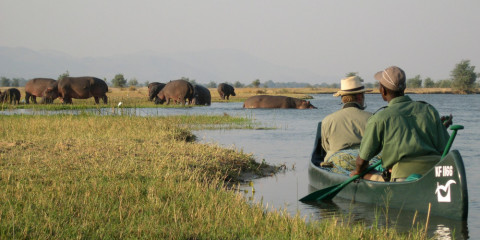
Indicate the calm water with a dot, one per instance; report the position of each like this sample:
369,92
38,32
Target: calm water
291,144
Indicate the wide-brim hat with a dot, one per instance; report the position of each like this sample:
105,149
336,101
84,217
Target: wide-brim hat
351,85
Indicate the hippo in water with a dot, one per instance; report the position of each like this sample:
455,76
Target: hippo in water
266,101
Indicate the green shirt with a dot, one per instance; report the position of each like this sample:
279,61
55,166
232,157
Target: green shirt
407,132
343,129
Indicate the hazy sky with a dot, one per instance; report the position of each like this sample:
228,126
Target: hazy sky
426,37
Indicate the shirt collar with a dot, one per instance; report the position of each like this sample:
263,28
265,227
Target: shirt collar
352,104
400,100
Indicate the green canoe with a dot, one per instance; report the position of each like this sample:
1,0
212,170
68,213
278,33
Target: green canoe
443,188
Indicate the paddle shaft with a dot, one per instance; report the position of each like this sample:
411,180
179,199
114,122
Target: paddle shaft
454,129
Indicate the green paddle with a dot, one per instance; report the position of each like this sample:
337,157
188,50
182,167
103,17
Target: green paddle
330,192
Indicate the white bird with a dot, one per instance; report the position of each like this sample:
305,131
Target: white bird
119,104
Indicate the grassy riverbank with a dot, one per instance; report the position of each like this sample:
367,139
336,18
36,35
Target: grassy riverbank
116,177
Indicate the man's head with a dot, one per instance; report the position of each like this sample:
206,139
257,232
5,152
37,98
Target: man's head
351,85
352,90
393,78
392,82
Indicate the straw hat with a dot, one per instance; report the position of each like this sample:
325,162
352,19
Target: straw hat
351,85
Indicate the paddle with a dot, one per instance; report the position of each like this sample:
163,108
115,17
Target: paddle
330,192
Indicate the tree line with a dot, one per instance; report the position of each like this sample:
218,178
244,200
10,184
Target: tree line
463,79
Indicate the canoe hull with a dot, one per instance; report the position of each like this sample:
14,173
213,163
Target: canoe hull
444,188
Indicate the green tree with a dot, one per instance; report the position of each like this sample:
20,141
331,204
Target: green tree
15,82
238,84
428,83
65,74
211,84
5,82
351,74
415,82
446,83
256,83
464,77
146,83
119,80
133,82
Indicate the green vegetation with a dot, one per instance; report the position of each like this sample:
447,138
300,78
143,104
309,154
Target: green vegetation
119,81
114,177
464,77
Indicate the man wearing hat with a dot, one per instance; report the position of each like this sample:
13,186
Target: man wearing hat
410,134
344,128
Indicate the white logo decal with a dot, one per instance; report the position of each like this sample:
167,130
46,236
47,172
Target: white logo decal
444,188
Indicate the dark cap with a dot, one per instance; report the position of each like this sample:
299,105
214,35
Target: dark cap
392,78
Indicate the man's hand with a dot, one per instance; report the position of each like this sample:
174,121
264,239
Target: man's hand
447,120
353,173
361,165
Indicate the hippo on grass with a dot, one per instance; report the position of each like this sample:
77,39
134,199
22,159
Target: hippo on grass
177,90
79,88
266,101
153,90
225,90
11,94
202,95
36,88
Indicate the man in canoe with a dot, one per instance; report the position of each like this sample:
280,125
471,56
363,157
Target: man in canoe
344,128
409,134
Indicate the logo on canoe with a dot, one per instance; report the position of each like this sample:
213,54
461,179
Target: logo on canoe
443,191
443,171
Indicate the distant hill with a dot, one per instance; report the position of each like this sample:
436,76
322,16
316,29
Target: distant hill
204,67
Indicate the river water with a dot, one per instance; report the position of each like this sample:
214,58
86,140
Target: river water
291,144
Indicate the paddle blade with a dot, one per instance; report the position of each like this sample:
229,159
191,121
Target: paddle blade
317,194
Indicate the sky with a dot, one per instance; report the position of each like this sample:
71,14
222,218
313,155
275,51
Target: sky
426,38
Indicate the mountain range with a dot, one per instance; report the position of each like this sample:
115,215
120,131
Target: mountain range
221,65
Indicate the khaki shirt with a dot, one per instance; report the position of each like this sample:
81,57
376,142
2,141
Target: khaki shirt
410,135
343,129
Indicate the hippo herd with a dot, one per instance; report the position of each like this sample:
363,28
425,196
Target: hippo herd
179,91
65,89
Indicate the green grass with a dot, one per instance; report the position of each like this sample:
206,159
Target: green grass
115,177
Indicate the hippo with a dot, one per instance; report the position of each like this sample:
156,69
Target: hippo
201,96
79,88
36,88
11,94
178,90
153,89
225,90
266,101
